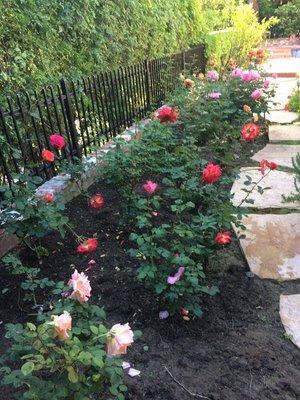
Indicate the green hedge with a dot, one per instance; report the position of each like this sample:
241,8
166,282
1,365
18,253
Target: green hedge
43,40
244,34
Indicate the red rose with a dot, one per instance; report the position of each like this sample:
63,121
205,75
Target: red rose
57,141
87,246
264,164
223,237
272,165
166,114
250,131
211,173
97,201
48,156
48,197
184,312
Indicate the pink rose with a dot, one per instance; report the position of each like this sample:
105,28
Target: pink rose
266,83
57,141
150,187
250,75
256,94
62,324
214,95
212,75
237,73
81,287
119,338
173,279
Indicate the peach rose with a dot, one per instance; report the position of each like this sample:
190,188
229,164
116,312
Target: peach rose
200,76
62,324
119,338
81,287
247,109
189,83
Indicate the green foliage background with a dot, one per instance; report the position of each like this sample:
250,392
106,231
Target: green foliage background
42,40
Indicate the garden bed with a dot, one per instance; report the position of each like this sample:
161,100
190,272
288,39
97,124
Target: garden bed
235,351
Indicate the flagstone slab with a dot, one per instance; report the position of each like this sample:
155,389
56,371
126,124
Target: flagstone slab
271,245
282,154
282,117
280,183
283,90
280,132
290,316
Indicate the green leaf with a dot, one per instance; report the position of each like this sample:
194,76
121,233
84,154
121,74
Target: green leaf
94,329
137,334
114,390
31,326
72,375
27,368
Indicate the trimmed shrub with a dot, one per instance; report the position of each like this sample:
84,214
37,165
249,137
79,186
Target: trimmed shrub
289,17
40,43
244,34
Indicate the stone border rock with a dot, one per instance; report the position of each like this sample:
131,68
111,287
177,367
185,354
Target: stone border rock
290,316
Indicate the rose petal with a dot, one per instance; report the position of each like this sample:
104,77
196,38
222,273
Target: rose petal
173,279
163,314
125,365
133,372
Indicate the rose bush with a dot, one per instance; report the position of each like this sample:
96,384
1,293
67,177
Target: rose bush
68,353
175,217
215,109
176,200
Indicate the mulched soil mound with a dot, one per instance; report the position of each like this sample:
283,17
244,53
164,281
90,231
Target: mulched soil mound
236,351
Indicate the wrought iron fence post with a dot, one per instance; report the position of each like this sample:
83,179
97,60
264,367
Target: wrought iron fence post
202,58
70,117
183,60
147,84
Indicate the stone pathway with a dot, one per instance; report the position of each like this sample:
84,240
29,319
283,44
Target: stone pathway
280,133
262,245
271,241
284,89
281,117
282,154
279,183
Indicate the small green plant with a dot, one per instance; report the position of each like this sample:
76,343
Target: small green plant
32,280
295,196
294,101
28,216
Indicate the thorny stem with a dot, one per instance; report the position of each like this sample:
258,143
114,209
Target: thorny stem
254,186
148,229
78,237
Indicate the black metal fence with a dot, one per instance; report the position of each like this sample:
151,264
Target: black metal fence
87,112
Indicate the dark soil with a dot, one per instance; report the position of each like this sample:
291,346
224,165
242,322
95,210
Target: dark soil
236,351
